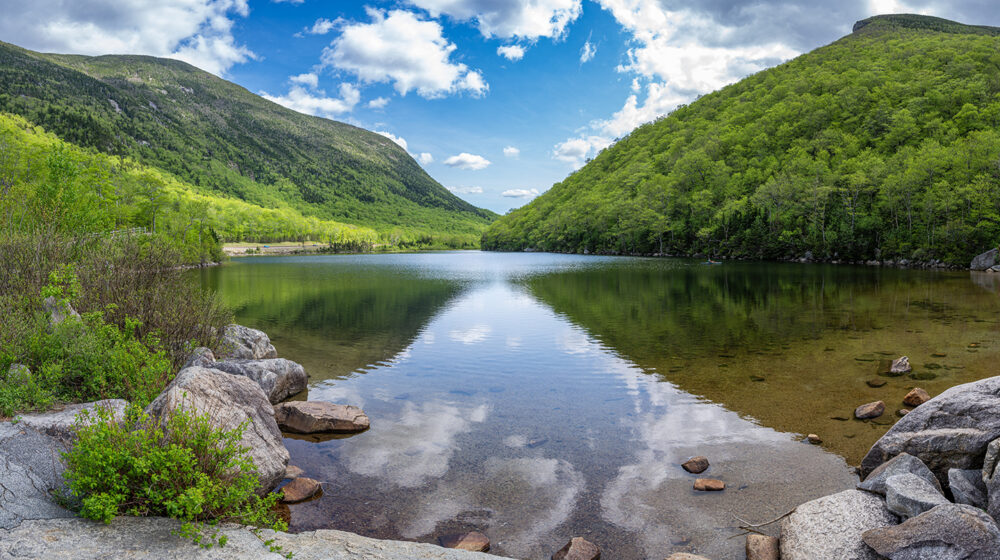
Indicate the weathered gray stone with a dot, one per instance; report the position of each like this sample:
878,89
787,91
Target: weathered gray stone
230,400
908,495
831,527
900,366
902,463
201,356
130,538
62,423
58,311
990,460
949,431
947,532
244,343
30,469
313,417
869,410
985,260
685,556
280,378
967,487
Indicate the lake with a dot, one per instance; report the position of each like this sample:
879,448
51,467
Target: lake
535,397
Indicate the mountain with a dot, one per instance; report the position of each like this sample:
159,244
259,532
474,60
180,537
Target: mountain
225,140
883,144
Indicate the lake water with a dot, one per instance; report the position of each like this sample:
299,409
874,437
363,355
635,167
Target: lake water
536,397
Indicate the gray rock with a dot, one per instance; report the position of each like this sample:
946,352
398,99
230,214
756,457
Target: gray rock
900,366
130,538
18,374
244,343
58,311
313,417
902,463
61,424
30,470
831,527
990,460
967,487
985,260
950,431
908,495
869,410
278,377
230,400
947,532
201,356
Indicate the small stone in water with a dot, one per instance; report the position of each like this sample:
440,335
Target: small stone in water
762,547
870,410
537,442
902,412
923,376
939,355
299,490
578,548
709,485
916,397
291,471
900,366
473,541
696,465
839,418
814,439
756,378
876,383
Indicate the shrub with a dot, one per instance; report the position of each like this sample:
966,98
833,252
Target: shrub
184,468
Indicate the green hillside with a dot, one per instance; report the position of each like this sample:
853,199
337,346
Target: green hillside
225,140
884,144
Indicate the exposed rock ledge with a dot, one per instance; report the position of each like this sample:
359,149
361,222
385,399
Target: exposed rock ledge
130,538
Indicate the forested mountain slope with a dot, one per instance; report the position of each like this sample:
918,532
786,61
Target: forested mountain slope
224,139
883,144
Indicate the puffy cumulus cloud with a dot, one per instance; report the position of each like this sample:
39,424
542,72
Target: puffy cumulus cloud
511,152
402,142
520,193
467,161
322,26
304,97
577,150
401,48
466,190
196,31
425,158
511,52
587,52
527,19
378,103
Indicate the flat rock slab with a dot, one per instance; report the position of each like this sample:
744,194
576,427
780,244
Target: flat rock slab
311,417
129,538
967,487
902,463
299,489
578,548
947,532
696,465
709,485
908,495
869,410
831,527
473,541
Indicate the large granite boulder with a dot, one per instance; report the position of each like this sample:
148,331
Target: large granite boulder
908,495
313,417
985,260
278,377
902,463
230,401
967,487
950,431
947,532
201,356
831,527
244,343
31,469
132,538
61,423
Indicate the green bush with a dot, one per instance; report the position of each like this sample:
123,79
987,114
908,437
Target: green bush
183,468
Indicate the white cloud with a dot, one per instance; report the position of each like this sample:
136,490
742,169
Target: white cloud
378,103
587,52
322,26
425,158
511,152
466,190
528,19
511,52
520,193
314,101
394,138
309,80
288,1
577,150
401,48
467,161
196,31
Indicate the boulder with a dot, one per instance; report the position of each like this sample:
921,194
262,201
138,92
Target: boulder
908,495
967,487
30,468
762,547
952,430
696,465
58,311
61,424
578,548
947,532
230,401
831,527
311,417
473,541
985,260
244,343
709,485
201,356
870,410
900,464
280,378
299,489
916,397
990,460
900,366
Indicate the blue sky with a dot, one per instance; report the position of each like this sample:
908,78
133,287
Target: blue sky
498,99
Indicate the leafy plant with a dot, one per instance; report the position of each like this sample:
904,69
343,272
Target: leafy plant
183,468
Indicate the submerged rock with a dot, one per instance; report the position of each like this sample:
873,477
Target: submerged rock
916,397
685,556
244,343
278,377
709,485
299,489
947,532
967,487
900,464
762,547
291,471
473,541
876,383
310,417
908,495
578,548
831,527
696,465
869,410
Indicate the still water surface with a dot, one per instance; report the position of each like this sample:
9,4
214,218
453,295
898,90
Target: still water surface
535,397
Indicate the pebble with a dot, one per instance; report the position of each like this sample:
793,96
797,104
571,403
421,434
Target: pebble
814,439
869,410
696,465
578,548
709,485
916,397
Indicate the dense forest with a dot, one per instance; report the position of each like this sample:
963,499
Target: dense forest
225,141
883,145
